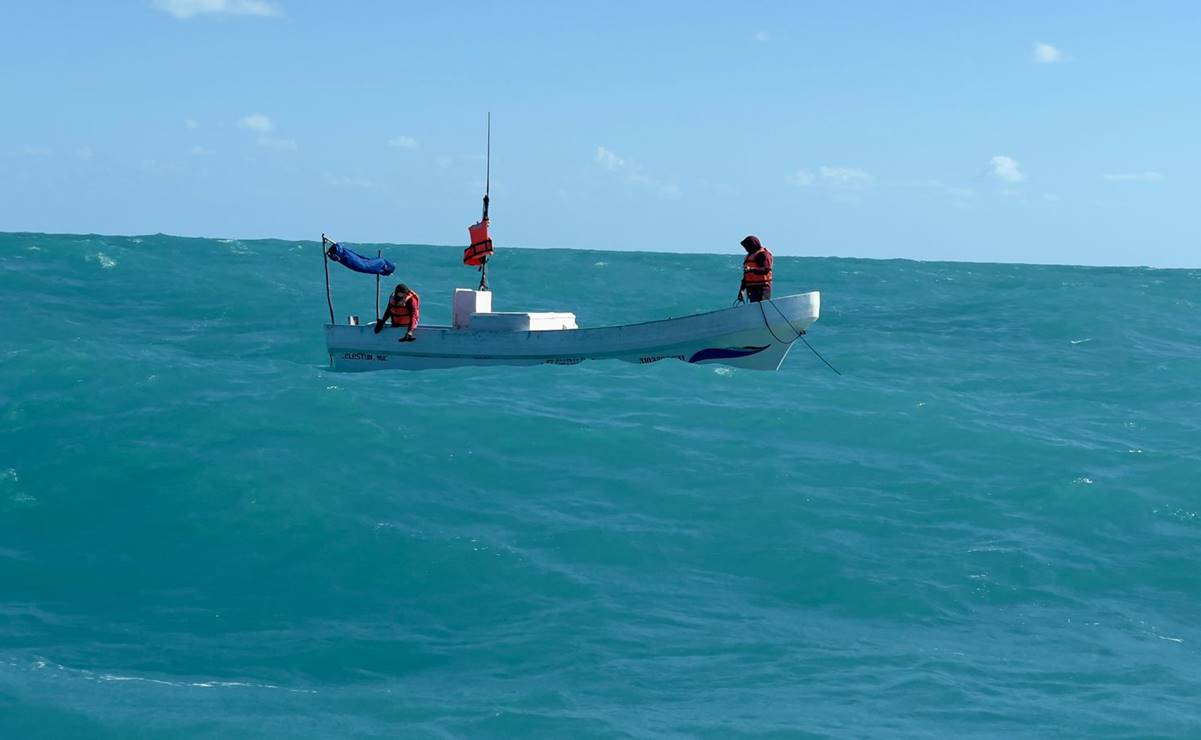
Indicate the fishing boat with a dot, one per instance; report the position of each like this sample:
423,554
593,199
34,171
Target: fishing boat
750,335
756,336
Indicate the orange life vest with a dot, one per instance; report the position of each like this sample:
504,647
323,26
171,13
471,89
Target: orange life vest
755,279
481,244
405,310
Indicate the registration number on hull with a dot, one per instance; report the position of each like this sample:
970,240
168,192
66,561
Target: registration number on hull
656,358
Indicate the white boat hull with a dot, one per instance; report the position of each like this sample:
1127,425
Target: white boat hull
753,335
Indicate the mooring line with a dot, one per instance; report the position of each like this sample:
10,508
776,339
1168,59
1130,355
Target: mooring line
800,333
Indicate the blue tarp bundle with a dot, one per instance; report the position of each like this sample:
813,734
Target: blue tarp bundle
359,263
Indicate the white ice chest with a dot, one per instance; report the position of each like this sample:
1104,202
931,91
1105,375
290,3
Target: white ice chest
473,309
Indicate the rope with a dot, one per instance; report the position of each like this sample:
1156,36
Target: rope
768,325
800,333
819,356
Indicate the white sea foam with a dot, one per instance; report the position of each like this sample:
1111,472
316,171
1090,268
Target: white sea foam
87,675
105,261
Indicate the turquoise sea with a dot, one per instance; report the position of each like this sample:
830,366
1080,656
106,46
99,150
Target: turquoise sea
988,526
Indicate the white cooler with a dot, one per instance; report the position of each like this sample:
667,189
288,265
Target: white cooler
519,321
468,302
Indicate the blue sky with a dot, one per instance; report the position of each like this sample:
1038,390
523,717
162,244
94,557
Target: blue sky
1030,132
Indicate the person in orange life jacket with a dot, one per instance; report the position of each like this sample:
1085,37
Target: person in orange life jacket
404,308
756,271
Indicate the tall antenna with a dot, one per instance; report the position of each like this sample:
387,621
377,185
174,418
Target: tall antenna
488,167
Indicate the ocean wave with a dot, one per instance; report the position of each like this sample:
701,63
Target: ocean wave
986,525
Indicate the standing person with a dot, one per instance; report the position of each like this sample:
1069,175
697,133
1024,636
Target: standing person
404,308
756,271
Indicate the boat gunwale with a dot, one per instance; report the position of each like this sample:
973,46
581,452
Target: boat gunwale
444,327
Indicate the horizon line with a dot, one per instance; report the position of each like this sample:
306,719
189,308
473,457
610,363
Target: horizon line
619,251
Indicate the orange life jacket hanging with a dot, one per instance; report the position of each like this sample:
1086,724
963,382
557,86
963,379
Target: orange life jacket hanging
481,244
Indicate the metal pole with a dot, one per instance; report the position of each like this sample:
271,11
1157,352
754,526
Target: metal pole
329,299
487,190
488,169
378,254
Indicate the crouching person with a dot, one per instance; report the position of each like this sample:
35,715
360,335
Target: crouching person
404,309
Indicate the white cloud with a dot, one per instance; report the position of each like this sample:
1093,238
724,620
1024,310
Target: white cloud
1046,54
720,189
845,177
447,161
403,142
666,189
31,150
841,184
191,124
273,143
608,159
1133,177
185,9
199,151
958,196
257,122
802,178
262,125
84,152
634,173
1006,168
159,168
762,36
344,181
